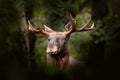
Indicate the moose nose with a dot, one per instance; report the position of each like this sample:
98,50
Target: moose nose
52,50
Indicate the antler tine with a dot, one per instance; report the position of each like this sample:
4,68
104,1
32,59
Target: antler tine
71,24
67,26
84,27
31,28
39,31
40,27
40,22
87,29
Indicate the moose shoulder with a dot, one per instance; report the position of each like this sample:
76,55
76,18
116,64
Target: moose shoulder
57,48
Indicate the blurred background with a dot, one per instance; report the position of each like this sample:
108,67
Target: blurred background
23,54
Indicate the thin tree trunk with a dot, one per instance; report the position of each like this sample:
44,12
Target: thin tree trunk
19,7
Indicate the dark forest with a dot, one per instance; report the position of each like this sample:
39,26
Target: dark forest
96,52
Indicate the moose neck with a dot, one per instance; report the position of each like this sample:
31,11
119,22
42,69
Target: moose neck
64,51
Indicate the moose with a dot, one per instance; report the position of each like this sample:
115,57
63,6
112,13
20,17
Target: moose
57,48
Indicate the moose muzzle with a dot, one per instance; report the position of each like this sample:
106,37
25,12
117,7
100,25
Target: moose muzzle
52,50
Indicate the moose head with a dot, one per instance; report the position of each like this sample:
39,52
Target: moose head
57,49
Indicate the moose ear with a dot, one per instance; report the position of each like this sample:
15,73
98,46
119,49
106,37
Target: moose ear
47,29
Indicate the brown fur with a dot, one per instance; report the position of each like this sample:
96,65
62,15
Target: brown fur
61,58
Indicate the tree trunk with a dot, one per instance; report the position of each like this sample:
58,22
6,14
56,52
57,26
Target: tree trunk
107,51
97,51
14,55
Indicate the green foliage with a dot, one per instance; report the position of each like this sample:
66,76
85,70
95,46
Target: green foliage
52,12
112,27
98,32
79,42
55,13
108,29
80,45
40,50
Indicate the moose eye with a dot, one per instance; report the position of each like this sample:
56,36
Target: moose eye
48,39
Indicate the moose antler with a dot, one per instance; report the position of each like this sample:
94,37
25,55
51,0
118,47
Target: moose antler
72,26
40,30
